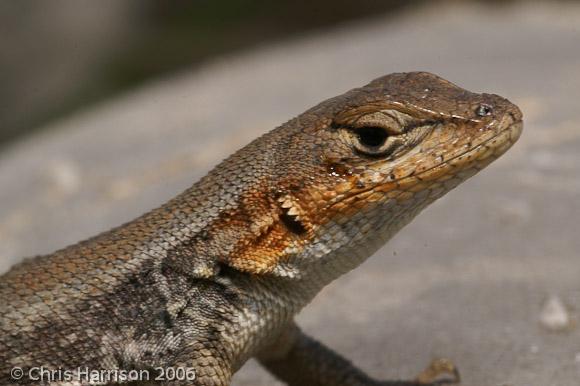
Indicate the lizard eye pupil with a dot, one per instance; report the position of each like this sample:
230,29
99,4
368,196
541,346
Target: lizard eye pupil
372,136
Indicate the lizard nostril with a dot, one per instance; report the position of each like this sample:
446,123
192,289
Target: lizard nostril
484,110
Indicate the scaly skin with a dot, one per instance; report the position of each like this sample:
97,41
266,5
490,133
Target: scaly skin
216,275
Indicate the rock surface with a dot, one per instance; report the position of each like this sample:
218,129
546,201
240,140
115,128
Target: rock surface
466,280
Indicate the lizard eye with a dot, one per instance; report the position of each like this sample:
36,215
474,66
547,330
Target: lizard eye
376,134
371,137
373,140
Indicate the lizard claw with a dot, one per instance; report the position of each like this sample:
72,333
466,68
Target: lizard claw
437,368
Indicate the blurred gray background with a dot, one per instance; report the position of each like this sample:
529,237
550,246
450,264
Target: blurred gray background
108,109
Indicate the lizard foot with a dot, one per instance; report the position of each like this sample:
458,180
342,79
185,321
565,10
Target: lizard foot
441,371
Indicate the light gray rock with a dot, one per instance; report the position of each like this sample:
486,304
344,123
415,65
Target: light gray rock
555,315
470,275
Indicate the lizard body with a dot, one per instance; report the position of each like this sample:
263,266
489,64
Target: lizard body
216,275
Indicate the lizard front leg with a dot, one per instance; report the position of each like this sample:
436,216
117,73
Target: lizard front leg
298,359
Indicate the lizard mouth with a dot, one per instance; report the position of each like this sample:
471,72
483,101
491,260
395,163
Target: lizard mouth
489,150
475,158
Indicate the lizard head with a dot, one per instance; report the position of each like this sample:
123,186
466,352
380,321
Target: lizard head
353,170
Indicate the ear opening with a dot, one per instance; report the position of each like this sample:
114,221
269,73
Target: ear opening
292,222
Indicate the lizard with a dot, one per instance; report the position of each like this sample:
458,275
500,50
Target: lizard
216,276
